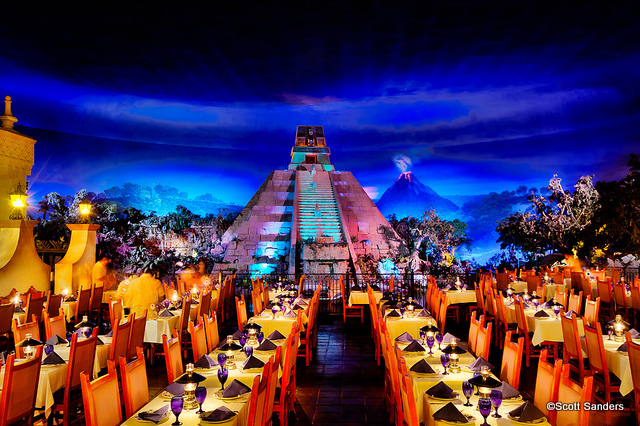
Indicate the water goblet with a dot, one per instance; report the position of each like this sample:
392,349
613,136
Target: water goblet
201,395
439,338
484,406
430,342
223,374
445,359
476,374
274,310
260,336
536,303
402,309
496,400
556,310
248,350
176,408
610,331
242,339
423,335
222,359
467,389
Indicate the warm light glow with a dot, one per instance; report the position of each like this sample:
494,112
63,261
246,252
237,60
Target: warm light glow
85,208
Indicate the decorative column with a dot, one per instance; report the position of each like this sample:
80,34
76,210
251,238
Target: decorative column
74,271
20,265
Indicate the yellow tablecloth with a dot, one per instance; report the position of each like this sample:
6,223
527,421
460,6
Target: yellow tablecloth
269,325
361,297
156,327
410,325
457,297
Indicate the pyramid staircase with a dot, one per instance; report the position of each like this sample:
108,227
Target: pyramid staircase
317,212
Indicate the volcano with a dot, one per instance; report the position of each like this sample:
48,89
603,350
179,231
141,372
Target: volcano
410,197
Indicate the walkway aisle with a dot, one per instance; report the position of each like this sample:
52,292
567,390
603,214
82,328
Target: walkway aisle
343,385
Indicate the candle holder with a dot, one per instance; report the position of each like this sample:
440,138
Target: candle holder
190,380
454,352
430,329
619,327
29,344
485,382
252,329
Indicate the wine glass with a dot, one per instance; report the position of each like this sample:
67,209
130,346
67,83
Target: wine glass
430,342
223,374
476,374
444,359
242,339
274,310
48,349
439,338
201,395
610,331
402,309
423,335
248,350
556,310
484,406
536,303
467,389
260,336
496,400
222,359
176,407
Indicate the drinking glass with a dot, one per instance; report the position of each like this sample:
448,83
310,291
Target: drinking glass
467,389
444,359
201,395
484,406
48,349
176,407
496,400
536,303
430,342
610,331
274,310
402,309
476,374
556,310
223,374
222,359
248,350
439,338
260,336
242,339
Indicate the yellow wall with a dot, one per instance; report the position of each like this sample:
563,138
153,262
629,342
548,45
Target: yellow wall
74,270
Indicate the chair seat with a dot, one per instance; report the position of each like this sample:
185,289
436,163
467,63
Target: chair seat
599,377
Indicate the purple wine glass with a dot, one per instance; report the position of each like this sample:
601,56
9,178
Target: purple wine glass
402,309
467,389
445,359
274,310
556,310
248,350
223,374
176,408
260,336
423,335
496,401
439,338
201,395
242,339
222,359
48,349
430,342
484,406
476,374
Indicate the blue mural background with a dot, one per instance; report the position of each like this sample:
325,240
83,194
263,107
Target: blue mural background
480,97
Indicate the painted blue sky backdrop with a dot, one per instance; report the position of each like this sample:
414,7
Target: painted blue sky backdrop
206,98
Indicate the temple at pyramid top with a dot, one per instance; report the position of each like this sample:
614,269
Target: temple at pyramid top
308,219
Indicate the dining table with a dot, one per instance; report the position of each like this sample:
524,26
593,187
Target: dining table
362,298
545,329
617,361
405,324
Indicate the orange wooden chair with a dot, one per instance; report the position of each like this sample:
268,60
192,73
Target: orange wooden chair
19,389
356,311
35,306
101,398
591,311
533,281
575,302
54,302
620,297
271,387
198,339
256,299
95,305
306,338
576,280
634,364
135,388
635,303
116,312
6,322
211,331
484,342
502,324
409,409
474,327
84,304
541,291
56,325
136,336
502,281
286,397
173,356
241,311
511,360
562,297
616,273
120,340
570,392
204,305
20,332
258,398
606,297
530,351
572,355
547,384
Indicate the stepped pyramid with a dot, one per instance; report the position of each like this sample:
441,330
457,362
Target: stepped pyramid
308,219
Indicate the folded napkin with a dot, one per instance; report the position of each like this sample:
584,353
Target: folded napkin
545,305
266,313
356,288
287,288
441,390
296,307
422,366
237,334
375,288
634,333
448,337
394,314
414,347
99,342
269,306
276,335
507,390
541,314
302,303
53,359
478,363
290,314
464,286
569,314
266,345
205,361
18,310
251,363
219,414
447,287
404,338
165,313
175,389
4,355
423,314
56,340
154,416
450,413
109,334
236,388
527,412
623,348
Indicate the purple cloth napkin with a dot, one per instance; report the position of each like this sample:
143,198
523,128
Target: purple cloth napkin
527,412
422,366
251,363
266,345
165,313
508,391
236,388
175,389
441,390
478,363
154,416
18,310
634,333
541,314
109,334
450,413
414,347
53,359
56,340
205,362
217,415
276,335
404,338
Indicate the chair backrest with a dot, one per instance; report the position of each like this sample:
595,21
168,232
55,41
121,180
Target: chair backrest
484,341
19,389
204,307
211,331
571,339
54,302
83,306
409,402
257,414
101,398
490,303
635,298
256,299
81,358
135,388
570,392
480,299
6,317
116,311
575,302
556,277
198,339
604,290
136,336
502,281
442,312
615,274
173,356
241,311
96,296
595,351
474,327
634,362
620,295
20,332
562,297
253,402
511,360
184,316
271,387
547,382
265,298
576,280
533,281
301,285
591,310
120,340
35,305
541,290
55,325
